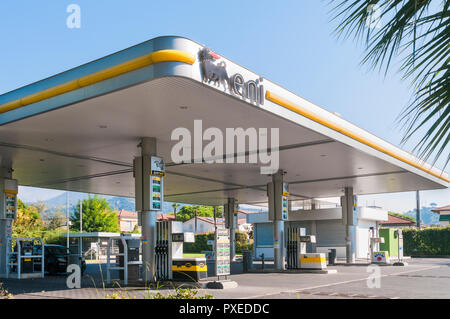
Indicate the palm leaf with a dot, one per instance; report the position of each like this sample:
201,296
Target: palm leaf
416,32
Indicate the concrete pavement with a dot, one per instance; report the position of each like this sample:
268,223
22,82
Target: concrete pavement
422,278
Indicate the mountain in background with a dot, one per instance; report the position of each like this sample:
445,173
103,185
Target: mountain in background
58,203
426,215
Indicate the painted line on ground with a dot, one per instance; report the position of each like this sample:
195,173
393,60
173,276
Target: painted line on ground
336,284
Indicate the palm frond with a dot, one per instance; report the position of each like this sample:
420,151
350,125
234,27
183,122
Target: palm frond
417,32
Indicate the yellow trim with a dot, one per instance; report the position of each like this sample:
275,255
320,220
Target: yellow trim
304,259
321,120
11,191
196,268
131,65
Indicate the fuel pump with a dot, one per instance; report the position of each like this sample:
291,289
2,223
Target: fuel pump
8,212
294,246
133,252
376,256
297,256
27,253
399,235
163,250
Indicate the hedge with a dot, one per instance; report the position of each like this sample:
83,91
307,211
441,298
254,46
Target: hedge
427,242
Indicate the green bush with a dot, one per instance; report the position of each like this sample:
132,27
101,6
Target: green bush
241,237
54,237
245,246
201,243
427,242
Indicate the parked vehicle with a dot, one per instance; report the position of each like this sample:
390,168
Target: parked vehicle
56,259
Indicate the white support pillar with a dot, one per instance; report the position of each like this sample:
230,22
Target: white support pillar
5,224
230,223
147,217
348,203
275,191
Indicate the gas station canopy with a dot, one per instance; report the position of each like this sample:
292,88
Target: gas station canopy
79,130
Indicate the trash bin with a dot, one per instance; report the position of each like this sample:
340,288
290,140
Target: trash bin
332,256
247,260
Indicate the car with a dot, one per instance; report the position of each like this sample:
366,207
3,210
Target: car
56,259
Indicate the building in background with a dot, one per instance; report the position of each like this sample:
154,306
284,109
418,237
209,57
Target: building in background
328,227
444,215
128,221
397,222
206,225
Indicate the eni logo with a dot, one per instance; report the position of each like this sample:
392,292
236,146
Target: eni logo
214,70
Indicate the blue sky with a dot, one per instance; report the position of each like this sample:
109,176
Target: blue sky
313,63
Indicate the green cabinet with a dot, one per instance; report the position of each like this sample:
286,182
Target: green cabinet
390,241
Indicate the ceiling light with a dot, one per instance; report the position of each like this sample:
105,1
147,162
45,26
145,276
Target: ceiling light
103,126
183,107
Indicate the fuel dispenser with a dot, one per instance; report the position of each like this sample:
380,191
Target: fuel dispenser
170,263
27,251
399,235
297,257
133,252
185,269
163,250
22,256
8,210
127,260
294,247
377,256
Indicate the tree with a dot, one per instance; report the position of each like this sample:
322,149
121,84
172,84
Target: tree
58,220
97,216
188,212
175,206
28,223
421,29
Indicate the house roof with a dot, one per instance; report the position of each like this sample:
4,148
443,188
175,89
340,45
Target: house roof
397,220
126,214
441,209
133,215
165,217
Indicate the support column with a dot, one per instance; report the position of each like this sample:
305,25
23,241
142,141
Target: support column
5,224
147,217
313,228
418,210
230,223
348,203
275,193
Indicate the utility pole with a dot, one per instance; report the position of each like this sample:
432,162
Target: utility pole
418,210
195,219
81,226
67,219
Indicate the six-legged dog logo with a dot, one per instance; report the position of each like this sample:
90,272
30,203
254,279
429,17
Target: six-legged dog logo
213,70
